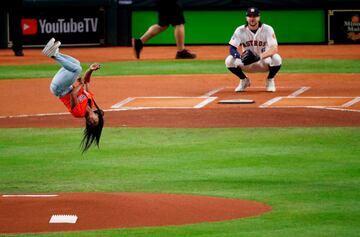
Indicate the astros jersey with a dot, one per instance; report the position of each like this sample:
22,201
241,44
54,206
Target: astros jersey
80,109
258,42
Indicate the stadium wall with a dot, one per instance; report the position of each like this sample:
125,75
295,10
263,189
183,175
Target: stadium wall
216,27
208,21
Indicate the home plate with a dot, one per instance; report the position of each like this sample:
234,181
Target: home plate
238,101
60,219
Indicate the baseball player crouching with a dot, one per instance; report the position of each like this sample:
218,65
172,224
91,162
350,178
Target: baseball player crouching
259,51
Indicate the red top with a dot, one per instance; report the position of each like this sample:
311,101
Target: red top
80,109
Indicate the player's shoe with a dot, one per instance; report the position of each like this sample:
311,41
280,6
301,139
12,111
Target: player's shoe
54,50
185,54
270,85
48,45
244,83
19,53
138,46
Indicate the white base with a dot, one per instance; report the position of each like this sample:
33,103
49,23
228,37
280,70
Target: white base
68,219
239,101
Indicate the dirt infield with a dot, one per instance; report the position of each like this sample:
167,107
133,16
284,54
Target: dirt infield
109,54
159,101
122,96
32,213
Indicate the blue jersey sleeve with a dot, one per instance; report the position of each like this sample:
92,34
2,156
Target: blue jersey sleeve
234,52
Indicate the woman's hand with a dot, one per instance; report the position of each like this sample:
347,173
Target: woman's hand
94,66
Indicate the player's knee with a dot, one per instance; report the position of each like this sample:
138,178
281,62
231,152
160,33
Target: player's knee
77,70
230,62
157,28
54,89
163,28
276,60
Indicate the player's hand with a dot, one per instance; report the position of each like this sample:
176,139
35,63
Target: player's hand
94,66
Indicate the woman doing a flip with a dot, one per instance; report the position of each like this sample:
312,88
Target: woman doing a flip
73,91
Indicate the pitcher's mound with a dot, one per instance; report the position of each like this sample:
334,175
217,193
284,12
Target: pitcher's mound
88,211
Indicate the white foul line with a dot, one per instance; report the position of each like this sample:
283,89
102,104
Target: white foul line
320,97
205,102
276,99
123,102
33,115
351,102
298,92
340,109
210,93
30,195
292,95
121,105
270,102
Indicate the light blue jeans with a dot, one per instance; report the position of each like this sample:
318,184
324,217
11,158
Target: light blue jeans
70,70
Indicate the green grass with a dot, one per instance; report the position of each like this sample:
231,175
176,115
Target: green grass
310,176
180,67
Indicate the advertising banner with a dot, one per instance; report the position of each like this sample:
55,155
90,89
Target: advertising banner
72,26
344,26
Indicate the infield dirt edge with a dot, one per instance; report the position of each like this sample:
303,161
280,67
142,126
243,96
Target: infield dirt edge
119,210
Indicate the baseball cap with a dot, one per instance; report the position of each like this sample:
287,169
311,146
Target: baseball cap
252,11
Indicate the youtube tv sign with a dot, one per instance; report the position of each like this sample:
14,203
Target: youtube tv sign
29,26
73,26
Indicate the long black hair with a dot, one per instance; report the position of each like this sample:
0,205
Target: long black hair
92,133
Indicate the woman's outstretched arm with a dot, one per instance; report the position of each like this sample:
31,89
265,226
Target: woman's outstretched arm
87,75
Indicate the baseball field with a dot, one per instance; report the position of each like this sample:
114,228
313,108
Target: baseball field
171,153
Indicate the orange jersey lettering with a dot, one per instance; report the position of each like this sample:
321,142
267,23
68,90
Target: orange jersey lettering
80,109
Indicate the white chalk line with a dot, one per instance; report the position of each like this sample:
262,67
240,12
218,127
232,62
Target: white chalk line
313,106
340,109
120,106
292,95
122,103
351,102
319,97
270,102
117,107
213,92
298,92
205,102
320,107
133,108
29,195
105,110
34,115
169,97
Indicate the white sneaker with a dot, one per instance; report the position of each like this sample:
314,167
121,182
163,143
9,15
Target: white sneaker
54,50
270,85
244,83
48,45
